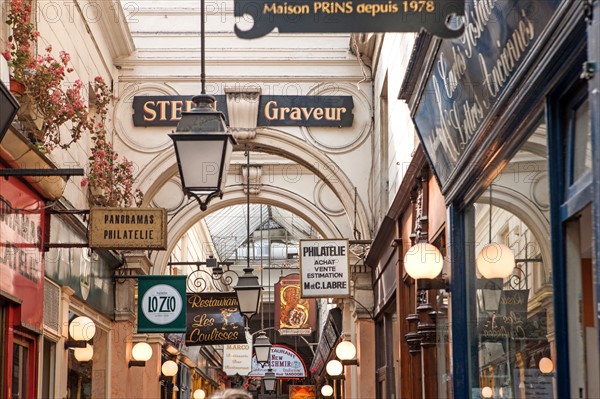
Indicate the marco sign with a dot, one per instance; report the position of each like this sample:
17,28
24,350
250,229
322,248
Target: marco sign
324,268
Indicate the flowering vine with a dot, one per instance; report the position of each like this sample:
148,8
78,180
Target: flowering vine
53,100
109,179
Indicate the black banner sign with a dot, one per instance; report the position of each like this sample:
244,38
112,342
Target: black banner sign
332,111
166,110
347,16
471,73
306,111
214,319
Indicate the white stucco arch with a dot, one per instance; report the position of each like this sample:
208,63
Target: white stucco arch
190,214
163,167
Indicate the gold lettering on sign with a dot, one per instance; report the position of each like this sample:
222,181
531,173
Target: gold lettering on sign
272,113
149,113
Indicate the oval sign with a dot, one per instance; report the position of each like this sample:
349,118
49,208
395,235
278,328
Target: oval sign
162,304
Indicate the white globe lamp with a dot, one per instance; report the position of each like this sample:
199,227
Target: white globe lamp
334,368
487,392
84,354
199,394
326,390
141,352
345,350
82,328
423,260
169,368
495,261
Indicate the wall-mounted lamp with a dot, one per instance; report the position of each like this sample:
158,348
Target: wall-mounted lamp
169,368
546,365
424,263
269,380
84,354
487,392
262,347
334,368
199,394
346,352
81,330
140,353
327,390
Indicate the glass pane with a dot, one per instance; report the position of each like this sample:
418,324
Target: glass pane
582,147
49,361
19,371
511,287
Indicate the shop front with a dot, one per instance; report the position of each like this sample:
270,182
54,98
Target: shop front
79,283
507,118
21,287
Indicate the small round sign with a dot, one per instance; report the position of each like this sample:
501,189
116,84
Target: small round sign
162,304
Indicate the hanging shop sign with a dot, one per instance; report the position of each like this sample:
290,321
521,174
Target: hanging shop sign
303,392
22,225
324,268
471,74
237,358
294,315
329,338
324,111
213,318
128,228
284,362
347,16
161,306
166,110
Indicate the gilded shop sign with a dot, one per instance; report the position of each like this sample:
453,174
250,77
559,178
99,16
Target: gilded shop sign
472,72
213,318
128,228
326,111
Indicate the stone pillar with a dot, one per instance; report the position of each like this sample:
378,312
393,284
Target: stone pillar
128,382
362,383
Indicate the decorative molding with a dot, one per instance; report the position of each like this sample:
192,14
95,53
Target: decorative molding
255,178
114,26
345,139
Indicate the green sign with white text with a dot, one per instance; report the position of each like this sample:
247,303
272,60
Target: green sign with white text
161,304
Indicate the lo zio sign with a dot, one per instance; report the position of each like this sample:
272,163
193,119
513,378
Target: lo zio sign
161,304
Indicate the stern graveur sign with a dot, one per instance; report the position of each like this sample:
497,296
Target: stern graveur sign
311,16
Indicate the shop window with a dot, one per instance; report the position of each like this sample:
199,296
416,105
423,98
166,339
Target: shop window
387,352
48,368
513,334
3,328
20,370
577,138
79,378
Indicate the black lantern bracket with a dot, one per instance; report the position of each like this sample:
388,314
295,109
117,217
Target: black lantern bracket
204,200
